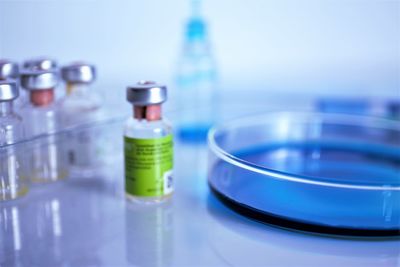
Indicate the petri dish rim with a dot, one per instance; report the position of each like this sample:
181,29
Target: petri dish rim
339,119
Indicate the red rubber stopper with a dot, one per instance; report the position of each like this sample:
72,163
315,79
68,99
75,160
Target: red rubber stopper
42,97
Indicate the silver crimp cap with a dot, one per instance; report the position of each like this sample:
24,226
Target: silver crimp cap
40,63
78,73
39,79
8,90
146,93
8,69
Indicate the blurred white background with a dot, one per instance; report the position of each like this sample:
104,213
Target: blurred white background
325,47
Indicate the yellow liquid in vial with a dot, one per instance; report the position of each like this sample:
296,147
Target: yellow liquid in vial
148,200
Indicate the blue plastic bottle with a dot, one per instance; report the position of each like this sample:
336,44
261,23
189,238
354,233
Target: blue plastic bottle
196,81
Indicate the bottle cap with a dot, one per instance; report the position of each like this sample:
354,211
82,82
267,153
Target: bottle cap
40,63
8,69
8,90
39,79
146,93
78,73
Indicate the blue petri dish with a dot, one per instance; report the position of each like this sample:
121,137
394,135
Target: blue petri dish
318,172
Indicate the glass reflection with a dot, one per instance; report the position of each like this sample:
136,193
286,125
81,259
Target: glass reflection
149,234
257,240
41,229
11,237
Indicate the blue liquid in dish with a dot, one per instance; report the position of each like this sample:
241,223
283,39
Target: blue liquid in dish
332,162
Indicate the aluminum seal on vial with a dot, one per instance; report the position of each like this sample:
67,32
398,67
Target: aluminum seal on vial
8,69
39,80
8,90
40,63
146,93
79,73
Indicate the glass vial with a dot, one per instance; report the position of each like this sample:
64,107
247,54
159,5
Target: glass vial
40,63
47,160
81,105
148,145
12,179
8,70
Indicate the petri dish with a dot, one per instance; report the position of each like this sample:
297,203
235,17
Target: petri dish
325,173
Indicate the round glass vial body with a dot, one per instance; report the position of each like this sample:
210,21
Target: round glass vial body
47,154
13,182
82,105
148,146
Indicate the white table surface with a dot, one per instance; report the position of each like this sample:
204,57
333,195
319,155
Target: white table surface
88,222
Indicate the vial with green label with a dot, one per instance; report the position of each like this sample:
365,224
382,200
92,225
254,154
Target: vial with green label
148,145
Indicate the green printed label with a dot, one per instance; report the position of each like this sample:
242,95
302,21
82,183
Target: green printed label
148,166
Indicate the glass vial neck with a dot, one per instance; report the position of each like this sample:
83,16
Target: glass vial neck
42,98
149,113
73,88
6,108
